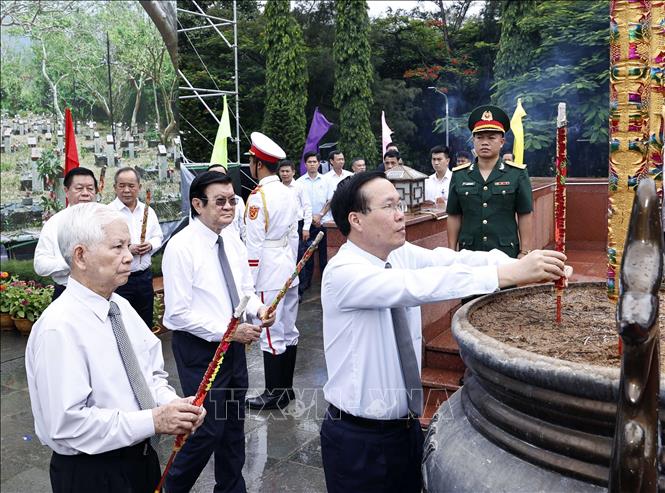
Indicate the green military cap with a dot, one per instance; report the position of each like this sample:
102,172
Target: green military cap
488,118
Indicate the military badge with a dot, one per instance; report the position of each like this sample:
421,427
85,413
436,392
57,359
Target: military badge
253,212
487,116
501,183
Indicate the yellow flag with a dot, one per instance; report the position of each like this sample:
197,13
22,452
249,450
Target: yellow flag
518,132
220,154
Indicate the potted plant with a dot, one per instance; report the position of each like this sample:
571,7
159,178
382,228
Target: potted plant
27,301
6,322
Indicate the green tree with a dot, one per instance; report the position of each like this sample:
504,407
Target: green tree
286,78
353,79
555,52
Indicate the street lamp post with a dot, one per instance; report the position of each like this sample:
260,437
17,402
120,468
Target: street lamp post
436,89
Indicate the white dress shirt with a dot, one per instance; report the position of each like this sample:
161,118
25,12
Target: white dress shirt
196,298
357,292
435,188
153,233
48,260
80,394
304,207
333,180
316,190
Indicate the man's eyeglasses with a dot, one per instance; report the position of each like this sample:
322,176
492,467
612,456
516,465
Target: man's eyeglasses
396,207
221,201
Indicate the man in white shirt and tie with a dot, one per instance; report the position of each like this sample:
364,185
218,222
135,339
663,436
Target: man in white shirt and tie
316,190
334,176
80,187
205,274
371,294
95,372
138,290
239,219
437,184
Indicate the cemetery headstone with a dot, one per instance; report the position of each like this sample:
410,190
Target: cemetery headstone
97,141
37,183
7,140
110,152
161,162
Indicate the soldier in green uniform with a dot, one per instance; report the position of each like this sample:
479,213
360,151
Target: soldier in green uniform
486,195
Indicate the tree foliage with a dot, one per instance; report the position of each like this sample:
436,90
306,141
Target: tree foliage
61,49
353,79
555,52
286,78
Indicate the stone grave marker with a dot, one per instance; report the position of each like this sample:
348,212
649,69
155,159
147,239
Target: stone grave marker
110,152
32,141
7,140
37,182
60,140
161,162
130,147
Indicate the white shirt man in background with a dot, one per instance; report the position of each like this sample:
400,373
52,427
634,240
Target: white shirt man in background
80,187
437,184
138,290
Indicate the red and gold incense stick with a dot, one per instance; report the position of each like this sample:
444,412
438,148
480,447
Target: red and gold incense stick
102,179
144,225
560,197
208,379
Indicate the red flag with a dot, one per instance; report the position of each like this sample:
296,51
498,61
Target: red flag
71,154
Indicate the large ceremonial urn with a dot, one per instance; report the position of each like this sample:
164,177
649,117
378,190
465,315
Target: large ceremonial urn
524,422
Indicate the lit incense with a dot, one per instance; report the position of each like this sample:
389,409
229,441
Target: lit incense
560,197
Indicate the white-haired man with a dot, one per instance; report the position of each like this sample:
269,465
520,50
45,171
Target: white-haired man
95,372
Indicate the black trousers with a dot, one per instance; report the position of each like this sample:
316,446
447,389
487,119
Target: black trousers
308,270
58,289
368,457
140,294
132,469
223,430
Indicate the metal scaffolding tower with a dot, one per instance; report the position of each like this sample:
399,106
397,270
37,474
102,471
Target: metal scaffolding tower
188,91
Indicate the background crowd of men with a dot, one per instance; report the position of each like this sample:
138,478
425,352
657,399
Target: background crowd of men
98,390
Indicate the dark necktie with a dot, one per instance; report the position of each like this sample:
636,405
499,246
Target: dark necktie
131,363
228,275
407,359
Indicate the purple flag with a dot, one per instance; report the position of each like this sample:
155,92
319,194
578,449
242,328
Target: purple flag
317,130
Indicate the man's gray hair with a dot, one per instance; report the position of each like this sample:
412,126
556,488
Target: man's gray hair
83,224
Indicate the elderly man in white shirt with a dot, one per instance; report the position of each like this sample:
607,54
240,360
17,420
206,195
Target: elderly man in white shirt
371,293
437,184
138,290
80,187
205,273
239,219
95,372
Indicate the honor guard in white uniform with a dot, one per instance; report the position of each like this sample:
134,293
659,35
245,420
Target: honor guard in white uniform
271,219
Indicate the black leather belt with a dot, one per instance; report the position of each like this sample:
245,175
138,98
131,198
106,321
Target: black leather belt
132,452
377,424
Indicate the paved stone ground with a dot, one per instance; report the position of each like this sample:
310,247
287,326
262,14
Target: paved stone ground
283,452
